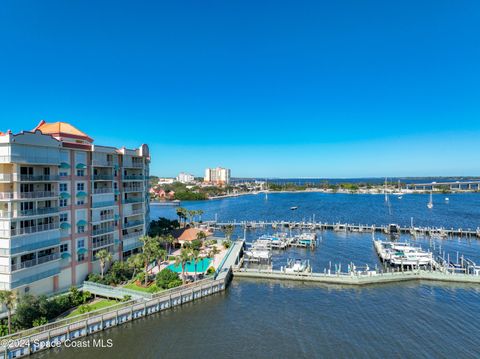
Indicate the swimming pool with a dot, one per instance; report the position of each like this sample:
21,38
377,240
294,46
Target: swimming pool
202,266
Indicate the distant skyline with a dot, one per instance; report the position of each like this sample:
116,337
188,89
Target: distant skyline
280,89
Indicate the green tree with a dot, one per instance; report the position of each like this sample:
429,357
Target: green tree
182,215
149,250
195,255
104,257
183,259
161,256
169,240
228,231
135,262
167,279
8,298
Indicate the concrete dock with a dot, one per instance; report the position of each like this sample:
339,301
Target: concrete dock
358,279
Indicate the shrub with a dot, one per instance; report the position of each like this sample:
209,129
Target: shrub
167,279
40,321
227,244
84,308
210,270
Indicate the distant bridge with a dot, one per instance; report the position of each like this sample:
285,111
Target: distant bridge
457,185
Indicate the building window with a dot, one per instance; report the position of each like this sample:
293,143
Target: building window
81,229
81,243
63,217
80,173
63,174
81,186
63,187
80,202
63,202
80,257
64,247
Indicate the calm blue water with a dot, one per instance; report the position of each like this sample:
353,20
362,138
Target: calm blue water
264,319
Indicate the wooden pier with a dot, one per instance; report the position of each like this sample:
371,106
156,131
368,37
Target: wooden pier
437,232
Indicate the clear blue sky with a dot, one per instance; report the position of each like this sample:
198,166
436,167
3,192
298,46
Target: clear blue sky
267,88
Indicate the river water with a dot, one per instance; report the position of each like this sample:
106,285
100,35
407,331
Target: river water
269,319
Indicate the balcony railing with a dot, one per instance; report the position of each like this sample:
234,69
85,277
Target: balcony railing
42,178
102,162
6,177
133,165
30,158
102,190
28,213
36,261
38,194
35,229
134,212
133,189
99,231
103,204
134,177
132,235
102,243
102,177
132,224
132,200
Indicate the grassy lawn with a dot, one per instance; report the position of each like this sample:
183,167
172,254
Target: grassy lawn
103,303
150,289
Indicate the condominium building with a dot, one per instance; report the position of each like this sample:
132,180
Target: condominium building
62,199
185,178
217,176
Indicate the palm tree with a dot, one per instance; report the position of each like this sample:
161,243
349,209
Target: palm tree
182,260
169,239
213,252
135,262
195,255
8,298
161,256
200,213
150,247
228,231
182,214
105,257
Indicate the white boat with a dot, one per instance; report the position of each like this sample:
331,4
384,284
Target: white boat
447,199
430,203
399,254
294,208
296,266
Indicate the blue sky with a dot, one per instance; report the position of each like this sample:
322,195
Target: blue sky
267,88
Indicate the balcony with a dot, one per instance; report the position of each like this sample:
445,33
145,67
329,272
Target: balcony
102,177
133,165
42,178
102,190
99,231
102,162
38,194
28,213
132,235
130,224
133,177
36,261
34,229
134,212
102,243
133,189
6,177
103,204
31,158
132,200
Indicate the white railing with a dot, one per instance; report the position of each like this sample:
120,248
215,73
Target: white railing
132,235
30,158
38,194
35,229
102,190
6,177
35,261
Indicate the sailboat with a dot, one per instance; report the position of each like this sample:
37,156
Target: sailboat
430,203
385,190
399,193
